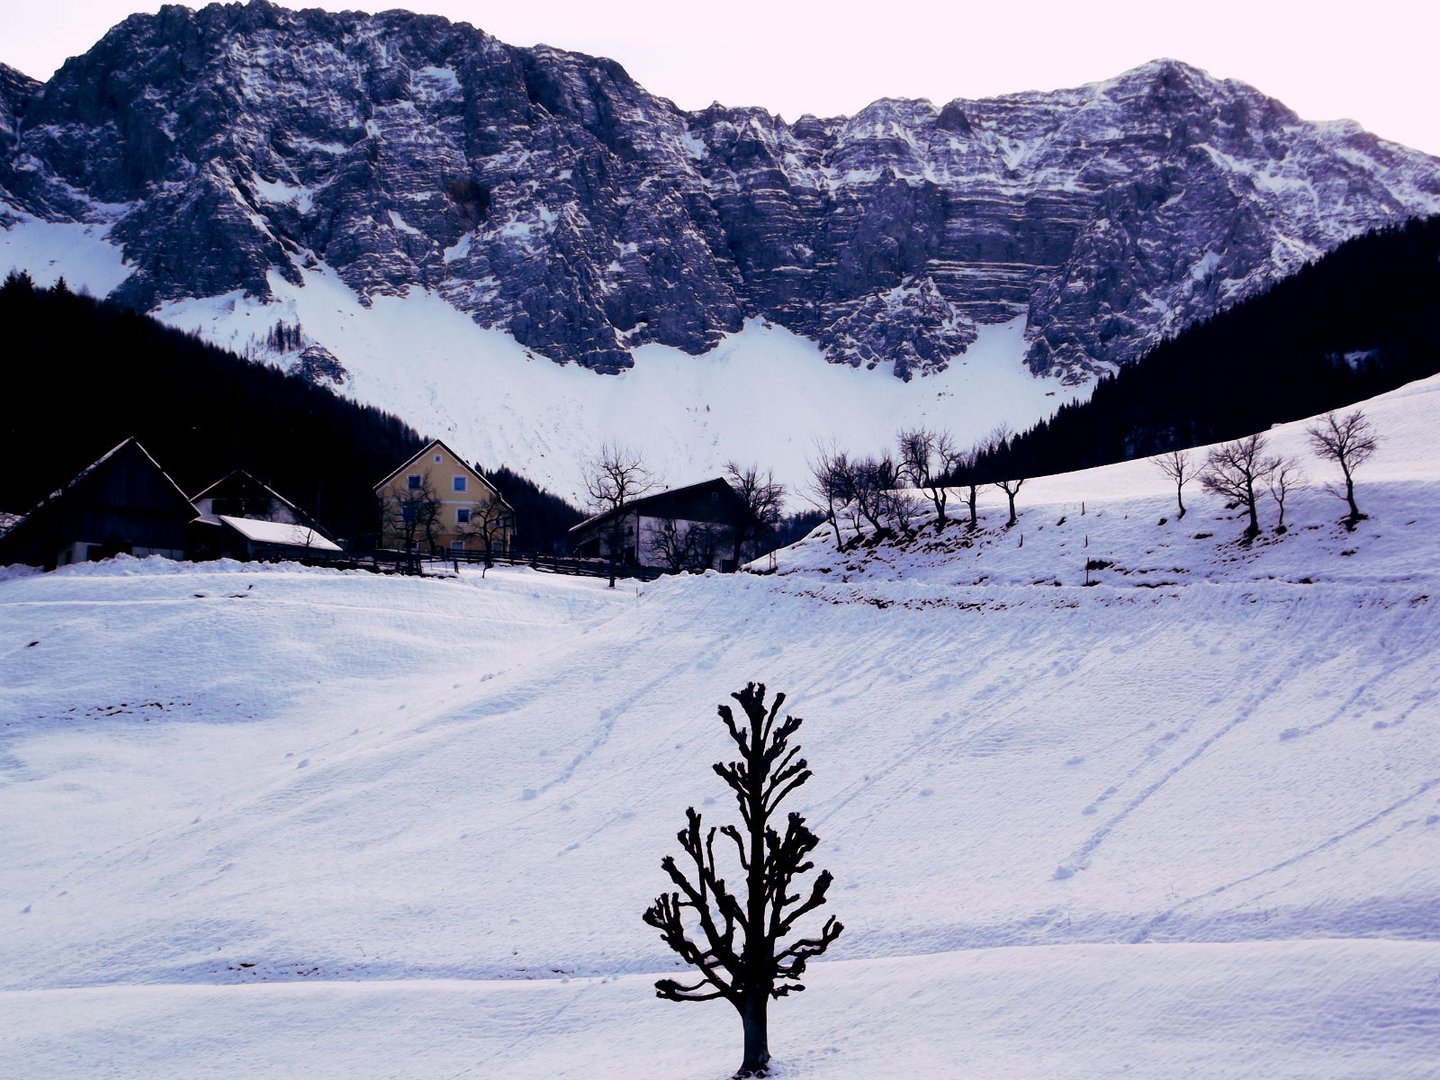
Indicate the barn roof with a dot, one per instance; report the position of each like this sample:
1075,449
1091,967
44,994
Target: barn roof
282,533
713,501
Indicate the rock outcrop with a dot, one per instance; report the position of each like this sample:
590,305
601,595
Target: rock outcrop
545,193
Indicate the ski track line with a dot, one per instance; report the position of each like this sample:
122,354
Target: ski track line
1080,860
1324,845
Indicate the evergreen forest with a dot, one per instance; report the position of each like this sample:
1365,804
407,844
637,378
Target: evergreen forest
81,375
1357,322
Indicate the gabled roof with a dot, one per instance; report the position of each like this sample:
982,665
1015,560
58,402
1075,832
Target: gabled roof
242,477
673,502
429,448
80,477
282,533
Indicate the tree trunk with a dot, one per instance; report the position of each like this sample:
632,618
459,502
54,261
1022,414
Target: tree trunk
758,958
1355,514
1253,529
754,1017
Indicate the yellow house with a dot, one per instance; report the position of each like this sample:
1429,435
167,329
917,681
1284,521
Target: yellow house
437,503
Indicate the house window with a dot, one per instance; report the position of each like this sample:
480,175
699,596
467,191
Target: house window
438,459
457,545
459,483
413,481
462,515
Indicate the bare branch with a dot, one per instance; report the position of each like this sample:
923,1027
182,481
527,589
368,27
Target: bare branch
764,966
1232,471
1349,441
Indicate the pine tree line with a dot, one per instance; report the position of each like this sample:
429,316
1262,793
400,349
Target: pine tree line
82,375
1358,322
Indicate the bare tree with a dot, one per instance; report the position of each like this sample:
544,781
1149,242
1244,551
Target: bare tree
902,507
997,443
1282,477
411,514
832,486
1011,488
875,483
1348,441
702,920
927,458
614,477
762,494
963,474
1232,471
1181,468
491,522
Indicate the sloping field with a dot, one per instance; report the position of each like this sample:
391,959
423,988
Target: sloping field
1182,822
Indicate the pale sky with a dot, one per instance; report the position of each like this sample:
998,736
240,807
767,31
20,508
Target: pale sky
1373,61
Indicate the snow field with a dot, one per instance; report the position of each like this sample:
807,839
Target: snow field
1184,822
1277,1010
763,395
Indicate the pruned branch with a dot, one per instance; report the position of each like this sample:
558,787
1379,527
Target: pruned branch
737,943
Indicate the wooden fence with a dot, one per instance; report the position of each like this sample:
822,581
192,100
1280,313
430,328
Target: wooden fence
411,562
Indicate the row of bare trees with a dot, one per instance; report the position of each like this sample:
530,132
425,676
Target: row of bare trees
852,492
1242,470
855,492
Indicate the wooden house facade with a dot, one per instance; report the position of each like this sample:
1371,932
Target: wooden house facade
123,503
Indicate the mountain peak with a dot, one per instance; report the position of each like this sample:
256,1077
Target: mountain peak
546,194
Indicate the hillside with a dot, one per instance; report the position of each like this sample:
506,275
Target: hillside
1357,322
202,411
473,230
1180,822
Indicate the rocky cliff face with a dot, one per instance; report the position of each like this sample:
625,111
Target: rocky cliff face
545,193
15,90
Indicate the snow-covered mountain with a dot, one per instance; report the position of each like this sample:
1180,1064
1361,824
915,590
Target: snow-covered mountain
1185,821
545,194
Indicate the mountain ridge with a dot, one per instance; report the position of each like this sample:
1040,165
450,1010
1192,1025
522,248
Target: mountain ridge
547,194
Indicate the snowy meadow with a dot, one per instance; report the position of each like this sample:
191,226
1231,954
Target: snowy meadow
1180,820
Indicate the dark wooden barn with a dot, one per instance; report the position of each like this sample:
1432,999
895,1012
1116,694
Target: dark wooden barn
123,503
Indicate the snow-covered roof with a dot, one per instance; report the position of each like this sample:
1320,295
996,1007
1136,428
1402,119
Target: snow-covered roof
284,533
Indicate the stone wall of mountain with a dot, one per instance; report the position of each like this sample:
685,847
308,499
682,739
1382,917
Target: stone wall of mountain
547,194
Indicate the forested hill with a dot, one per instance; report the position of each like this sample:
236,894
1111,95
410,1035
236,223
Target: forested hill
1359,321
81,375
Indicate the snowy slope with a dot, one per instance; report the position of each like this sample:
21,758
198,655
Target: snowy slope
763,395
1183,822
